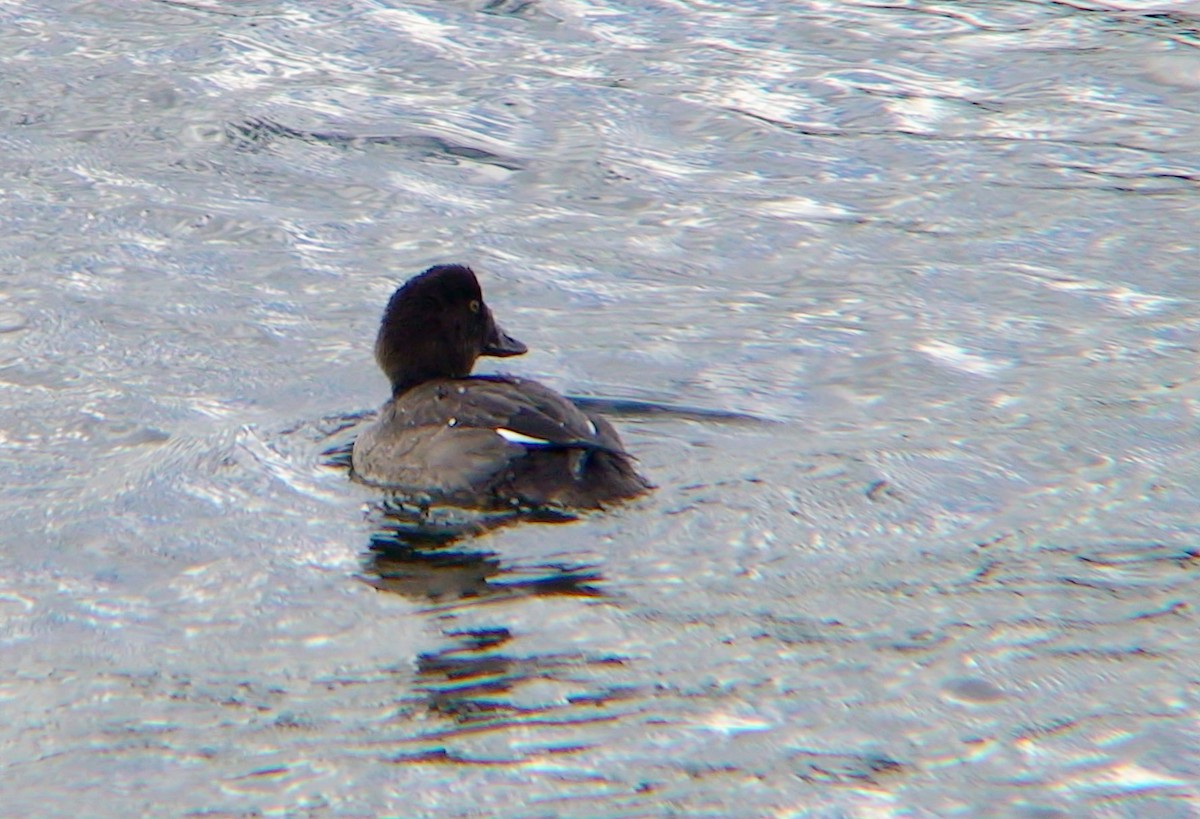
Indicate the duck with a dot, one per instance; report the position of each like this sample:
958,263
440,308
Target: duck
479,441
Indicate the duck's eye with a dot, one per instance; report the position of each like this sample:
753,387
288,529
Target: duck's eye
474,305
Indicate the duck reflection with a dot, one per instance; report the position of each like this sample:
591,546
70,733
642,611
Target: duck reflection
472,682
485,678
463,681
430,559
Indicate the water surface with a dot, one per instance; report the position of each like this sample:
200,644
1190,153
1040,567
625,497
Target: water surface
941,254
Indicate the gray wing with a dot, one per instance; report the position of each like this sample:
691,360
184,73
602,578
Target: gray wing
455,460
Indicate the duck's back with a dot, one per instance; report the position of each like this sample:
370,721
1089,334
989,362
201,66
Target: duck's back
495,442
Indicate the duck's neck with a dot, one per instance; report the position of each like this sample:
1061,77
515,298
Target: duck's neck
407,365
407,378
404,380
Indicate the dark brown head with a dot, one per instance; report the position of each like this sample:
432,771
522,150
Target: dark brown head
435,326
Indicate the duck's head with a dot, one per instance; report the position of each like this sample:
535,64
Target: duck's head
435,326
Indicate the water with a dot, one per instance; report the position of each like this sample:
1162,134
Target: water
928,271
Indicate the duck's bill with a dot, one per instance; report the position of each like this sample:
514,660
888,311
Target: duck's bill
501,344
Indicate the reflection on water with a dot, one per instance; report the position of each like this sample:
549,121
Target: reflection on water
257,134
435,567
471,683
477,681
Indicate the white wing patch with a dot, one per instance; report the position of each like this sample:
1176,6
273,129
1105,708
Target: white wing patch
591,426
514,437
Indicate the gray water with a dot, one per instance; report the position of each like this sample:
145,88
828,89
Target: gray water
918,279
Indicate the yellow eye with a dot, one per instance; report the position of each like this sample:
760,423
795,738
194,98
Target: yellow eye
474,305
